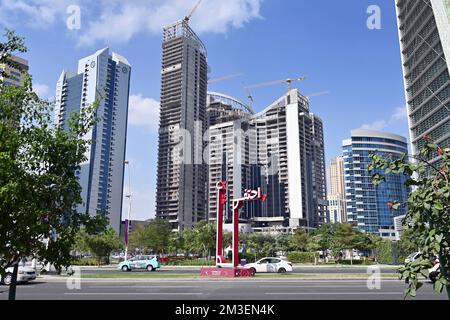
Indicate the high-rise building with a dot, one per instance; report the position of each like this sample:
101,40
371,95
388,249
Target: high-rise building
367,204
424,32
280,150
105,78
336,208
336,197
15,71
182,173
337,185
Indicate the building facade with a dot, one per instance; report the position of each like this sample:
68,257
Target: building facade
182,173
281,150
336,198
104,78
14,71
367,204
336,208
424,32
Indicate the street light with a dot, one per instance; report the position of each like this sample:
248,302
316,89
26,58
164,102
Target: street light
127,163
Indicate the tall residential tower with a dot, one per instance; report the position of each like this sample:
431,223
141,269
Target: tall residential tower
182,173
367,204
105,78
424,31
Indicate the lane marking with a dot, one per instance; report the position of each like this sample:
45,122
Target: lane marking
149,286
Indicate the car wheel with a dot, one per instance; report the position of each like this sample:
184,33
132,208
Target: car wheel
150,268
252,271
7,279
125,269
282,270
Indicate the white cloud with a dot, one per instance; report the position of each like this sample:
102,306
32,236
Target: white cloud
144,112
376,125
400,116
42,90
117,21
38,13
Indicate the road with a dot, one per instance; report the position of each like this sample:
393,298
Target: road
297,270
55,288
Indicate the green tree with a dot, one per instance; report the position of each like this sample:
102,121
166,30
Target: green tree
136,238
39,189
205,237
156,235
102,244
324,236
428,215
314,245
299,240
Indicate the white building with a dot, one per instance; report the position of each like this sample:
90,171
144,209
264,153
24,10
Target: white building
105,78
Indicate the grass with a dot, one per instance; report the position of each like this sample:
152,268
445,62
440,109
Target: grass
195,276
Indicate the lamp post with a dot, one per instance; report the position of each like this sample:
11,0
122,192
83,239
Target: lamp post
127,230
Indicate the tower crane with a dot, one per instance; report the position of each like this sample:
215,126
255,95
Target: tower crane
188,17
288,81
231,76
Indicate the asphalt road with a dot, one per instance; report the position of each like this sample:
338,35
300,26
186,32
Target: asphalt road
297,270
201,289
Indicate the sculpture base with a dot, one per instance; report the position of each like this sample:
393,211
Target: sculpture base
212,272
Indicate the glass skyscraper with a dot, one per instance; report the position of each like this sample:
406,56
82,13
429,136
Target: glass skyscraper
106,78
367,204
424,32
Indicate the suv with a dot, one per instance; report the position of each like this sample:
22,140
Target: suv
150,263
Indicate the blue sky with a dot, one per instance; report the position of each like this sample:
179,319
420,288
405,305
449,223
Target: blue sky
327,41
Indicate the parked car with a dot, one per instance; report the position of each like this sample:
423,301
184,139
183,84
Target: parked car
151,263
413,257
270,265
24,274
433,272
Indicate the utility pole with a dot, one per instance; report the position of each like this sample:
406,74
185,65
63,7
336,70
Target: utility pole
127,230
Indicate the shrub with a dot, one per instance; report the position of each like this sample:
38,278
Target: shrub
85,262
301,257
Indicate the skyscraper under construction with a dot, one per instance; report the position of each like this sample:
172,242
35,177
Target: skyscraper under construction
182,173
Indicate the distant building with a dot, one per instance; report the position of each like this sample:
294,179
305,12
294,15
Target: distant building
15,71
424,31
336,198
367,204
398,226
281,150
105,78
182,174
336,208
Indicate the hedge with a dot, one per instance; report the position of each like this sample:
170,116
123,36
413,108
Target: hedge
301,257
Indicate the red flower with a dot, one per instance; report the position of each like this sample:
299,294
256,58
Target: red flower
441,152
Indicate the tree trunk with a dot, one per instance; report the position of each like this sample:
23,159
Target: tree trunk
351,257
12,287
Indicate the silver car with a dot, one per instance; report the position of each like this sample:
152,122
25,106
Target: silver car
24,274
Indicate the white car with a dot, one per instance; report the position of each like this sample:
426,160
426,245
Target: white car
413,257
270,265
24,274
